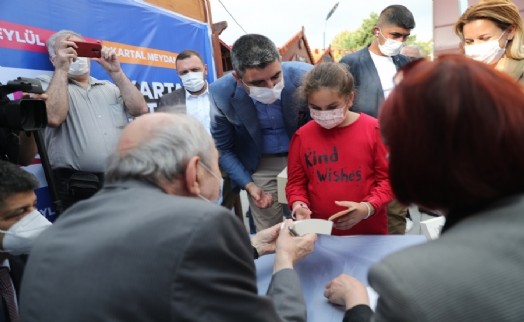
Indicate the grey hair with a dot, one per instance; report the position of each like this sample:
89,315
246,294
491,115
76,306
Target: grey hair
164,155
253,51
51,42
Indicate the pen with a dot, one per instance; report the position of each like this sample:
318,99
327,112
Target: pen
292,231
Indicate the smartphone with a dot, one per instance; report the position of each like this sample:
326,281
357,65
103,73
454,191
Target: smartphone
88,49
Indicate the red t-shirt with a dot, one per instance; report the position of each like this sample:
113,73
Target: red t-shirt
341,164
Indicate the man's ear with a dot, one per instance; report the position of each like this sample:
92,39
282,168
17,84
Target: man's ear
237,77
192,177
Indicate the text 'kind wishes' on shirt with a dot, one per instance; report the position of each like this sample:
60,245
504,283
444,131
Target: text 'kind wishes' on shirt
314,158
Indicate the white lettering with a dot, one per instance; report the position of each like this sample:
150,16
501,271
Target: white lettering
145,90
47,212
18,38
9,34
154,90
169,87
158,89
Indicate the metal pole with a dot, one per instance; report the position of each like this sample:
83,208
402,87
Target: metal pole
51,185
324,43
330,13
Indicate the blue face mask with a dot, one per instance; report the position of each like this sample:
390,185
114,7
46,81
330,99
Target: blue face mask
220,192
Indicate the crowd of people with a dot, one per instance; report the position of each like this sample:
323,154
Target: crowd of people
147,232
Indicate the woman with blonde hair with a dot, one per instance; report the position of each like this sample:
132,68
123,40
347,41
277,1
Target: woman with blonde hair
492,32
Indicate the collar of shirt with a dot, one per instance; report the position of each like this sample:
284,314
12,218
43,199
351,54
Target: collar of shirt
92,81
191,96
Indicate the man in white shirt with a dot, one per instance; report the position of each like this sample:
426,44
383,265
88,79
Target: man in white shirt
193,99
373,69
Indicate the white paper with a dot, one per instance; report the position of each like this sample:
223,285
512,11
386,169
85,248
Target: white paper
318,226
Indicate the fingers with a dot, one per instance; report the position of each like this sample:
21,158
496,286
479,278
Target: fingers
346,223
346,290
108,53
65,53
35,96
302,213
265,200
349,217
305,246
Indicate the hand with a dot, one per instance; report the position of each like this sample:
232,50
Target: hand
262,199
65,53
301,213
265,240
108,60
290,249
42,97
346,290
354,217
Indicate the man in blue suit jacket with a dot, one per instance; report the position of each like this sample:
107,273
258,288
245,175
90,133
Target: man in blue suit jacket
373,69
254,113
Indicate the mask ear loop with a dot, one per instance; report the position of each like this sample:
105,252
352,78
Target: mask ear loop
507,40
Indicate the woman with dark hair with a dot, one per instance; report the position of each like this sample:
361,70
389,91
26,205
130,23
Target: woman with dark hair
465,121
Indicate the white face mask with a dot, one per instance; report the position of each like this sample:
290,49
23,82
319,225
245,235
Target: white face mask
79,67
390,47
330,118
193,81
20,237
220,192
488,52
266,95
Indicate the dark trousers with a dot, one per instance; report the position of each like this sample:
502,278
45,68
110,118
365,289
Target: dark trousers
68,184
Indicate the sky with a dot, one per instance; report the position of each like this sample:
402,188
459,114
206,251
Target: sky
282,19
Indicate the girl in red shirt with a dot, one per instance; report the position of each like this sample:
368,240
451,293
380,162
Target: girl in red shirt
338,162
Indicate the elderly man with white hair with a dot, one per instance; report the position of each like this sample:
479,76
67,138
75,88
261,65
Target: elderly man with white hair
153,245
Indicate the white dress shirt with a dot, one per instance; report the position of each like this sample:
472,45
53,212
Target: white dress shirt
198,106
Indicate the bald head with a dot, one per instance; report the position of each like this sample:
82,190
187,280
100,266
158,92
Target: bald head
412,51
156,147
142,129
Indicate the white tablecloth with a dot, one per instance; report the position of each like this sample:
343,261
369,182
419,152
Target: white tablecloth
334,255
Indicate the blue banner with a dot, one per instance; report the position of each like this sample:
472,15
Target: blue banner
146,39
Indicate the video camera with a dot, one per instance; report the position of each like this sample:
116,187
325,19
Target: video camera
22,114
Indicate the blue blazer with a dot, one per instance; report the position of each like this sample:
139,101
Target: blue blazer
235,126
369,93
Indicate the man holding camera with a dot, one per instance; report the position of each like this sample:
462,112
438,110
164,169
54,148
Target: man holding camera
85,115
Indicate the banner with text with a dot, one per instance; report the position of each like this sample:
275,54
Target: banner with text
146,39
